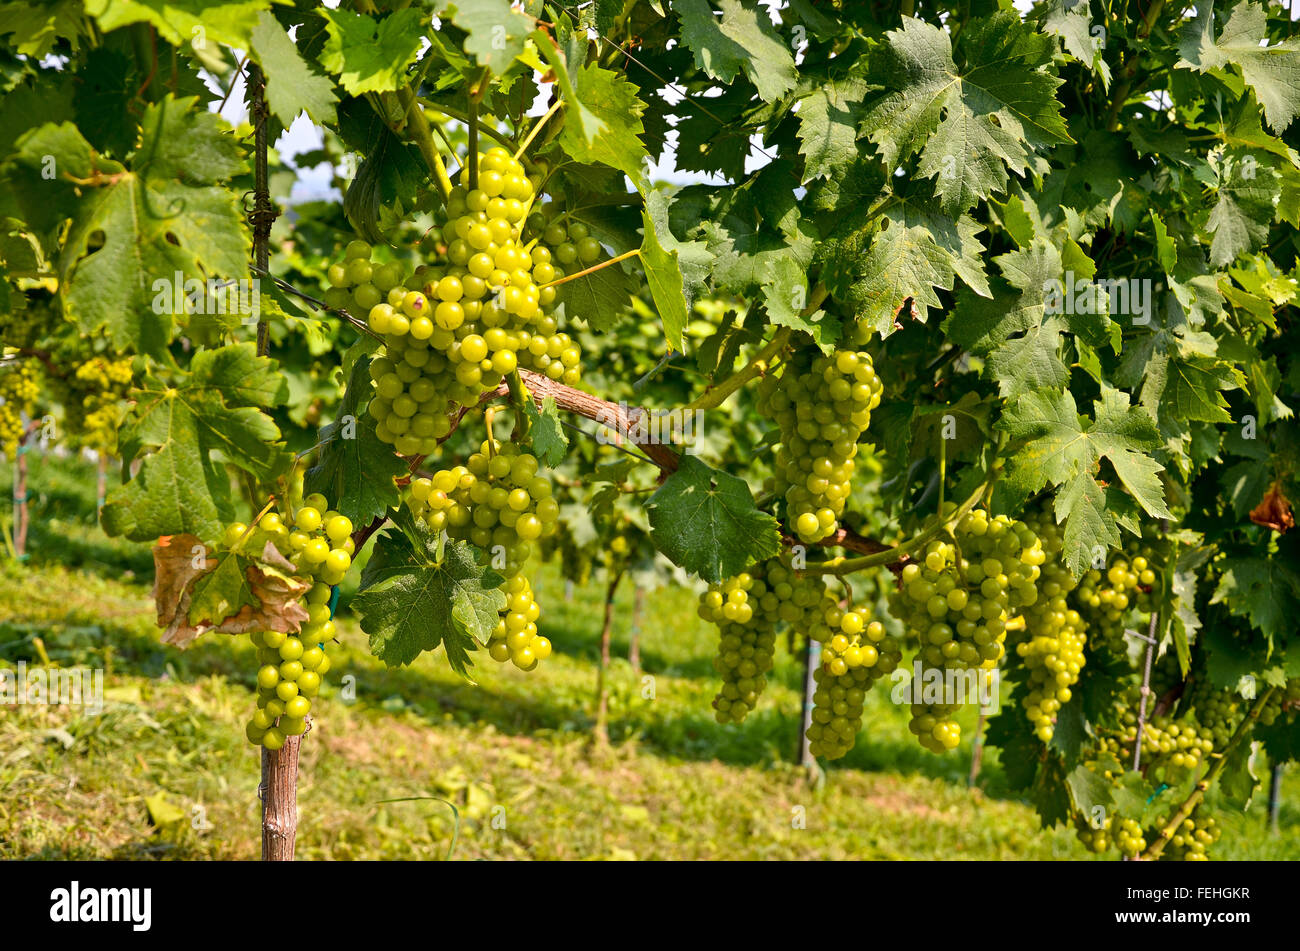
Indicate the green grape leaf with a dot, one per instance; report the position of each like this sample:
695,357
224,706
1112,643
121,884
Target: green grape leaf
600,298
546,437
1072,21
291,86
497,31
970,123
828,127
1180,377
705,520
691,258
1238,782
370,56
1247,189
183,433
742,39
912,250
1054,445
1263,590
182,22
617,140
33,28
1088,791
1273,72
138,232
411,602
663,274
355,469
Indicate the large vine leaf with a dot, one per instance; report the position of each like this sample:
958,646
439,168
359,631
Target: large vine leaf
183,21
291,86
1054,445
185,434
410,601
1266,591
1273,72
705,520
369,55
138,231
969,122
617,141
911,250
497,32
742,39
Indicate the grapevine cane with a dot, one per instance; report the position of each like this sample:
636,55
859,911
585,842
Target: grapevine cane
279,787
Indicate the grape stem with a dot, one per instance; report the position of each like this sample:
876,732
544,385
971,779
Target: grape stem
451,112
593,269
905,549
716,395
1194,799
537,127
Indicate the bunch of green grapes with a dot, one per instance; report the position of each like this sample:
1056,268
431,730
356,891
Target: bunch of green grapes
1170,747
94,398
1051,646
744,609
23,324
856,653
1105,597
499,503
20,388
1286,700
958,603
801,599
822,405
464,320
515,637
1217,711
290,666
1127,837
1193,838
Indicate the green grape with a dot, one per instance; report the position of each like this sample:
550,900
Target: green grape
1052,643
822,405
855,654
957,600
1106,596
747,643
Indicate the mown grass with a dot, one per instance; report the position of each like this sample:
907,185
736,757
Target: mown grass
511,752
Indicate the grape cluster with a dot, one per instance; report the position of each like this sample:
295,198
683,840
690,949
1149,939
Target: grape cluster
290,666
856,653
1054,635
822,405
1170,747
19,389
1193,838
1105,597
499,503
957,601
93,398
1217,711
1286,700
461,322
744,609
1099,838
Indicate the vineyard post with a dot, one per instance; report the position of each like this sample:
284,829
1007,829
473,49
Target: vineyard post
101,480
1146,688
21,512
279,787
634,637
812,659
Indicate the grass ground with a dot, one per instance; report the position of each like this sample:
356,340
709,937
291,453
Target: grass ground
164,770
